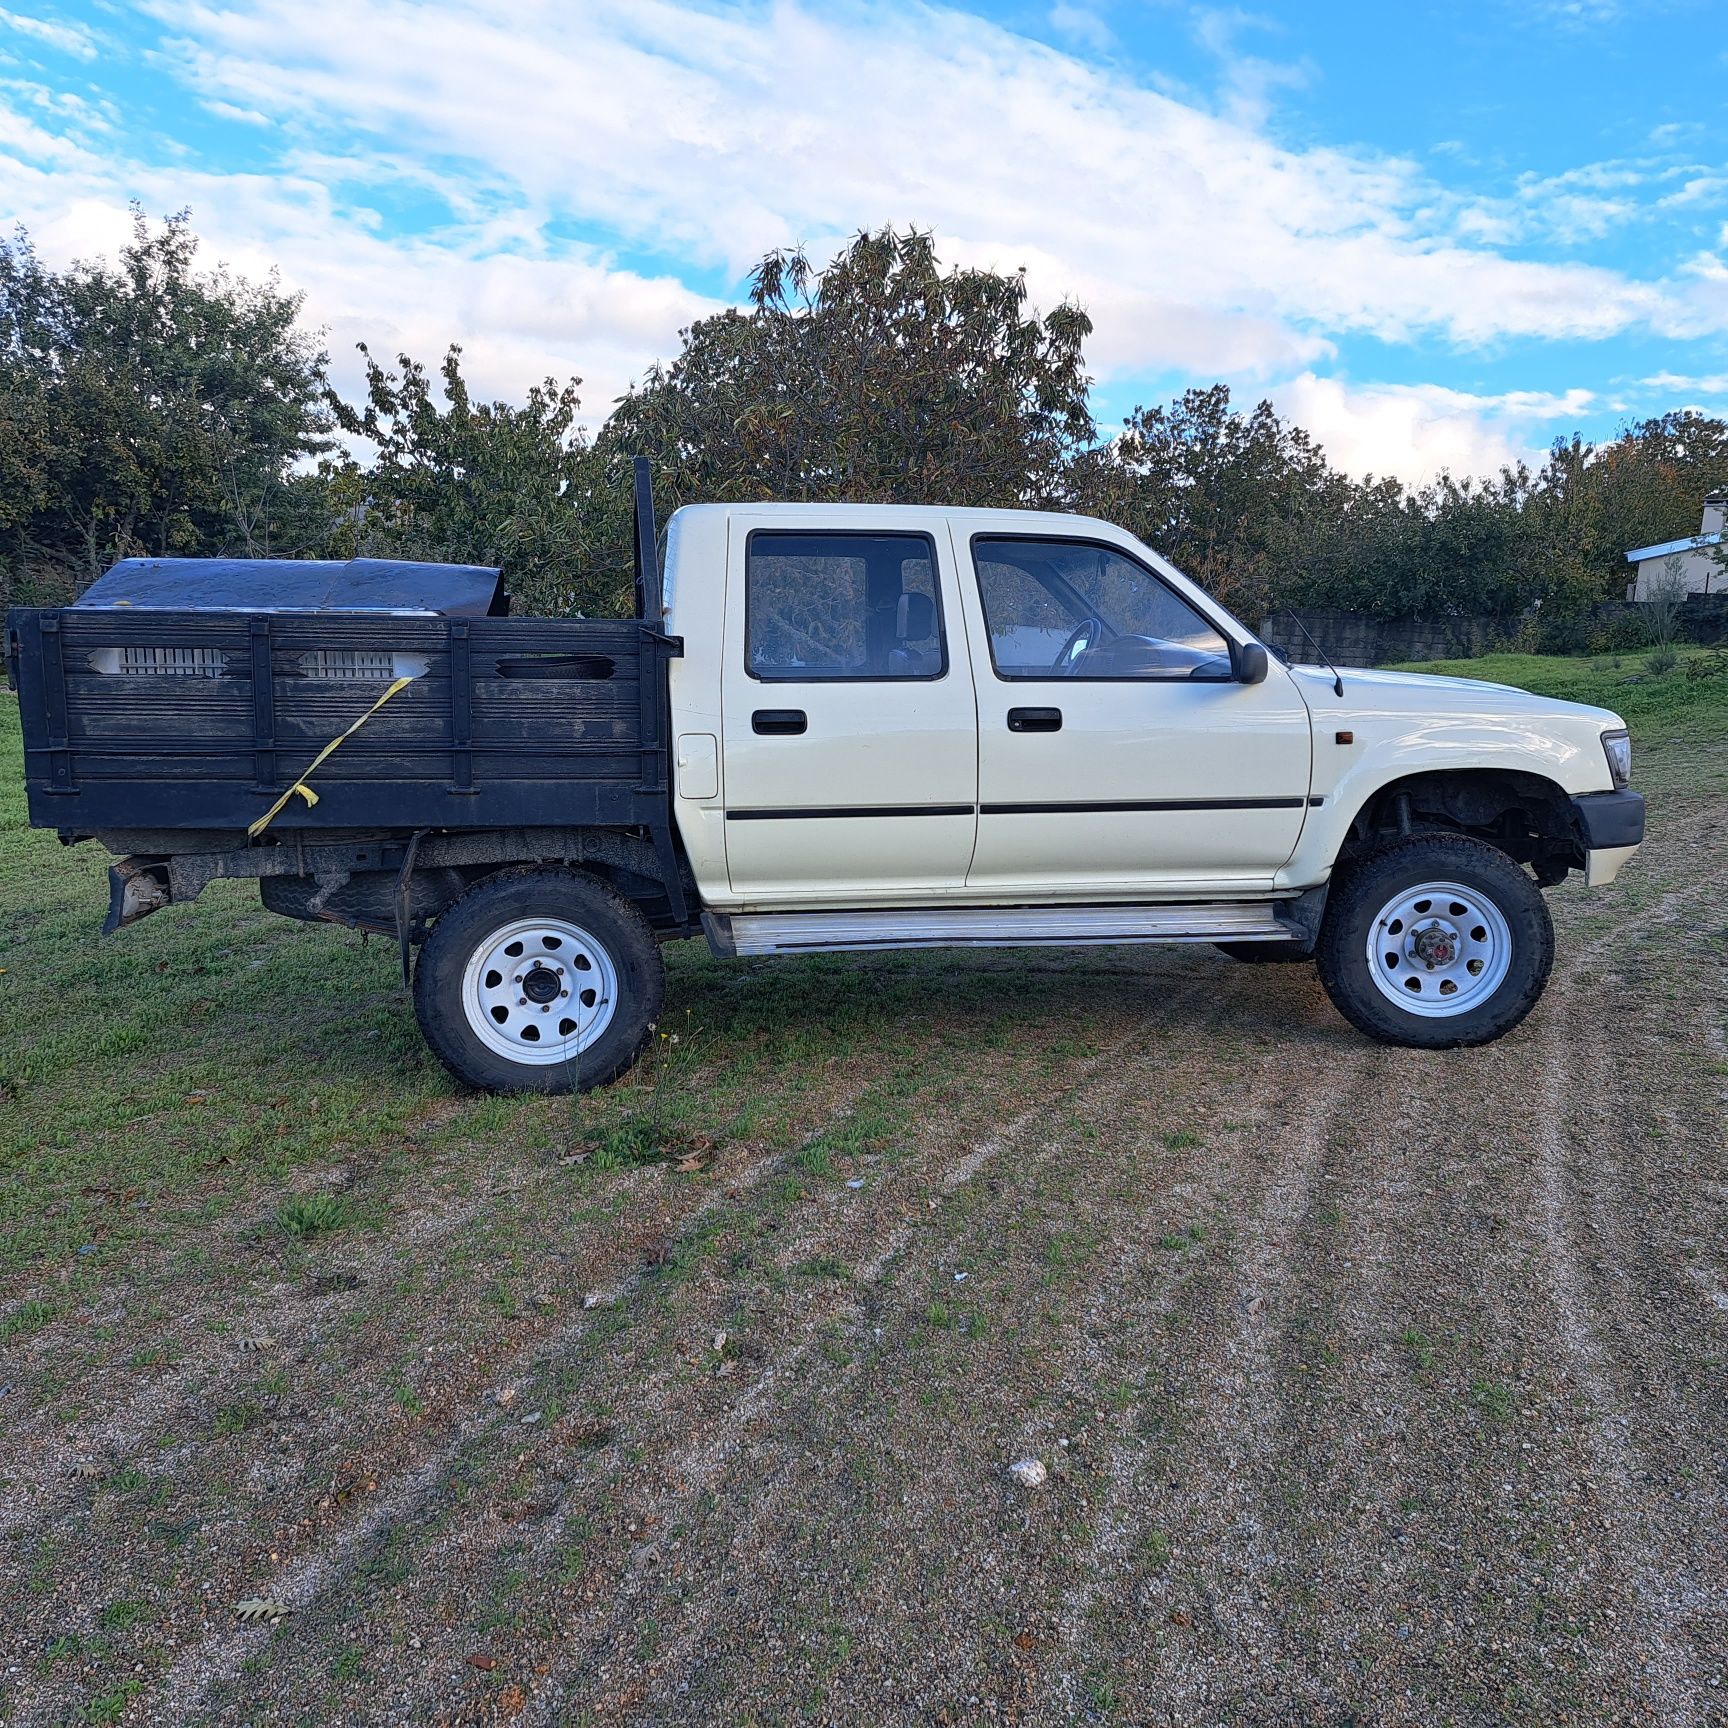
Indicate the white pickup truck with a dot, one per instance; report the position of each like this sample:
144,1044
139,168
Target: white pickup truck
831,727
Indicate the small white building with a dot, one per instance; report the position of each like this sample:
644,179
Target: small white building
1692,560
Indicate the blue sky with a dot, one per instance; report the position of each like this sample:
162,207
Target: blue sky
1437,235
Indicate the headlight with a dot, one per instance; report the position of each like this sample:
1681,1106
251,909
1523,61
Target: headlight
1617,747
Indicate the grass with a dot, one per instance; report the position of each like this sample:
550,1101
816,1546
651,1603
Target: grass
312,1215
1419,1345
161,1088
219,1115
179,1074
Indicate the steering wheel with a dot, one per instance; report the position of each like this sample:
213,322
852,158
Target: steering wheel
1081,640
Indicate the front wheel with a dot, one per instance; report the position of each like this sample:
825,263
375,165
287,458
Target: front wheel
539,981
1435,941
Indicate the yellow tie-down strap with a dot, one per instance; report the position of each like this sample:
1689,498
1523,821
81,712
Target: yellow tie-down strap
300,787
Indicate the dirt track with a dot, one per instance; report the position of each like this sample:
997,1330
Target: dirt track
1375,1386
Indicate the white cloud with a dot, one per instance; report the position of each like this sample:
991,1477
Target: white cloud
718,134
1678,383
72,39
1201,245
519,316
1083,25
1414,431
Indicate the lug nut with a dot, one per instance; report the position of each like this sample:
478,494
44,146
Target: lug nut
545,1007
521,1001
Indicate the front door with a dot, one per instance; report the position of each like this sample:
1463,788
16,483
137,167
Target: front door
1117,753
850,730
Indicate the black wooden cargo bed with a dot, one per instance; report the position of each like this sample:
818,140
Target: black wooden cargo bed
161,720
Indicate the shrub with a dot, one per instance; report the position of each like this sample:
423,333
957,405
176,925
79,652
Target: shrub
1663,658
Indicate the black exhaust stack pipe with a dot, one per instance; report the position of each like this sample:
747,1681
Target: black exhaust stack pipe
650,599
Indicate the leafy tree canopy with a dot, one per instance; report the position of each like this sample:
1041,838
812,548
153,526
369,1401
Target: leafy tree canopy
880,378
477,483
147,408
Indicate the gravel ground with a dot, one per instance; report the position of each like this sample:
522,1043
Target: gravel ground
1372,1386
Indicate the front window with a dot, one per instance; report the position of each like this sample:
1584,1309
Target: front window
1076,609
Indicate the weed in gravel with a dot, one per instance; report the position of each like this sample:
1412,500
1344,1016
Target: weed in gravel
1102,1695
821,1266
26,1317
1420,1346
1182,1140
307,1215
572,1561
121,1613
1155,1551
656,1124
1493,1398
110,1705
68,1644
814,1160
236,1418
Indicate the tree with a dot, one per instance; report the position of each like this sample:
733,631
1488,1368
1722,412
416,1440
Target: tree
480,483
1219,492
146,408
880,378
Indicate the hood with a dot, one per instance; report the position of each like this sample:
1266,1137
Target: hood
1380,692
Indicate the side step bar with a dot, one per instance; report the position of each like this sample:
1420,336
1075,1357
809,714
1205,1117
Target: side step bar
999,927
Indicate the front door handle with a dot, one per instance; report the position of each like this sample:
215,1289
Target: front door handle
779,722
1034,719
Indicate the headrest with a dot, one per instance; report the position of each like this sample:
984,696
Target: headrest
915,621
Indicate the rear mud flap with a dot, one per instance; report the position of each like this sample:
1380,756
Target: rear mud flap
136,888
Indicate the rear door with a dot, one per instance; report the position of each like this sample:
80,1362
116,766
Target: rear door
1117,752
850,742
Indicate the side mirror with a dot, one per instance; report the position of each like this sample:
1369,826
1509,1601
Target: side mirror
1251,663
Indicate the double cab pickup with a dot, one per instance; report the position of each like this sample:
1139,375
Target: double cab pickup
829,727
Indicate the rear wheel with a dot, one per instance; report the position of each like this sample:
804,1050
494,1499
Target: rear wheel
1435,941
539,981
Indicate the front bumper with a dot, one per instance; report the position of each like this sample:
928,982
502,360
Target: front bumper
1610,827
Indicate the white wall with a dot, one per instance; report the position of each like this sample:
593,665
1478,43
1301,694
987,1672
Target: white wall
1703,574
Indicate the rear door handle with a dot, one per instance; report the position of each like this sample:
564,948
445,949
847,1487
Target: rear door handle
1034,719
779,722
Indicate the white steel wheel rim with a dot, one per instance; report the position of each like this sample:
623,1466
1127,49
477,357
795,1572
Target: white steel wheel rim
539,991
1439,949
